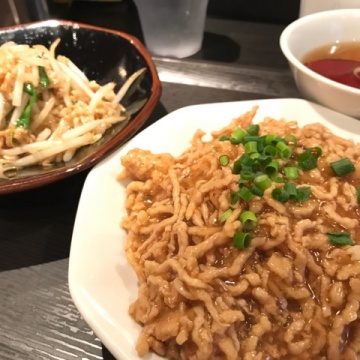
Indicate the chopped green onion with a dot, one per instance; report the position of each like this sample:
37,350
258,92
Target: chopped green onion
303,193
253,129
272,168
284,150
249,138
225,215
264,159
241,240
281,195
262,181
270,150
256,191
358,194
255,156
248,220
258,173
44,80
291,140
25,117
235,141
224,138
342,167
245,194
247,175
260,147
238,135
244,162
242,183
259,142
224,160
278,179
340,239
247,168
251,147
271,139
234,198
316,151
290,188
291,172
307,161
237,166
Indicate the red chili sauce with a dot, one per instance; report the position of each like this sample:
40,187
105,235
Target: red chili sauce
339,62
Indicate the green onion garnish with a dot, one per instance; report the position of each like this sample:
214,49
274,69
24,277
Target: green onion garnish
225,215
243,182
264,159
281,195
316,151
238,135
307,161
224,160
342,167
303,193
224,138
270,150
247,175
243,161
284,150
248,220
291,140
271,139
291,172
253,129
272,167
262,181
241,240
25,117
290,192
44,80
256,191
245,194
259,165
234,198
277,179
251,147
340,238
255,156
290,188
358,194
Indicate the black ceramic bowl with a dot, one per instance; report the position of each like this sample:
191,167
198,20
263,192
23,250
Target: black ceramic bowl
99,53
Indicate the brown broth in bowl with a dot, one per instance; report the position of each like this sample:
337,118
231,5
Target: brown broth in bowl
338,61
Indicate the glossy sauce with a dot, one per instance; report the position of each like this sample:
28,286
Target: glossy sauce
339,62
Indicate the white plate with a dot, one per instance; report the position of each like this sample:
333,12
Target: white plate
102,283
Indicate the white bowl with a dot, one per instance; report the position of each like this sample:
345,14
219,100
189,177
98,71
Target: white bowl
311,32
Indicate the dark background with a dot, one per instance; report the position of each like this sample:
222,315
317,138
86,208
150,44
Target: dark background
111,12
274,11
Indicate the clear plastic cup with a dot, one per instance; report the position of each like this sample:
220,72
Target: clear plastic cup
173,28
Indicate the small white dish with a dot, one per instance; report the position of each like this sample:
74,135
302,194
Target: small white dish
311,32
102,283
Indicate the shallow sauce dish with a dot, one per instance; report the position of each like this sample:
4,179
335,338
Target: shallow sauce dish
311,32
102,283
99,53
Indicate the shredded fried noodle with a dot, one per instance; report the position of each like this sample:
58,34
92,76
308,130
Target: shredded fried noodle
291,294
49,108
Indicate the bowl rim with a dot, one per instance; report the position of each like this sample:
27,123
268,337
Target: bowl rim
34,181
295,25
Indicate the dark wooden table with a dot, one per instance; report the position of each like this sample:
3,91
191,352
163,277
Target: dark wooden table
240,60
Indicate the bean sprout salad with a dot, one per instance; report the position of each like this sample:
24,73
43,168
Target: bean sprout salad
49,108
